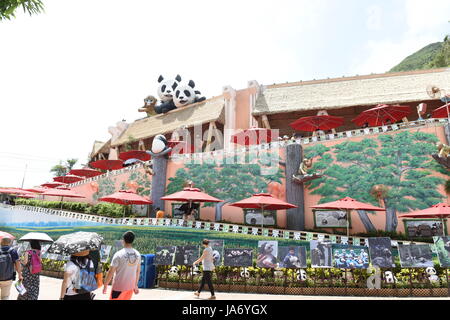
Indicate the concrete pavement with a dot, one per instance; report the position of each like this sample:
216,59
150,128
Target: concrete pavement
51,287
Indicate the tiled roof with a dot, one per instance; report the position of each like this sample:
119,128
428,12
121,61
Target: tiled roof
203,112
389,88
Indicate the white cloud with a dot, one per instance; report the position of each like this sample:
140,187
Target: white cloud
374,17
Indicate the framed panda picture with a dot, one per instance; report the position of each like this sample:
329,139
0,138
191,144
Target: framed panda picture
186,255
330,219
217,248
165,255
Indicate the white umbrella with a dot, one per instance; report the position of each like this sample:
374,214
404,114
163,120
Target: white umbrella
38,236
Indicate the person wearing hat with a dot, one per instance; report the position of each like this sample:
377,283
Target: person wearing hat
71,287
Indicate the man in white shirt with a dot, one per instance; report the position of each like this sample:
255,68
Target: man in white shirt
126,269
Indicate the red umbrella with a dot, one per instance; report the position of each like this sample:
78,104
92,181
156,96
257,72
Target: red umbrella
252,136
191,195
15,191
6,235
348,204
134,154
441,112
263,201
107,164
63,193
53,184
26,196
126,197
70,178
313,123
381,114
440,210
37,190
85,172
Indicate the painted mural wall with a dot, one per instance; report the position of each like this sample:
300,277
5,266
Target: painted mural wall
399,160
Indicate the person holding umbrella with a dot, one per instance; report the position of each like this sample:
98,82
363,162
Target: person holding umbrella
79,278
32,265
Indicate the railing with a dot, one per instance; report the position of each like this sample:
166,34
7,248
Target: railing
210,226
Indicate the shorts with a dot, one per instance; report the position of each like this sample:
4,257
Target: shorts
121,295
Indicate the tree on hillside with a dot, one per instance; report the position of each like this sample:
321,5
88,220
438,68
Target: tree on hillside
229,181
62,169
442,58
401,161
8,7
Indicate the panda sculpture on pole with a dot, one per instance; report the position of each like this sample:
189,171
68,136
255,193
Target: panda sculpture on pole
166,89
160,147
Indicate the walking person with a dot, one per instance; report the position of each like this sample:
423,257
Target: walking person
80,278
208,267
9,265
125,269
31,267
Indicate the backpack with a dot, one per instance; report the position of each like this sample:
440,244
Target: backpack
87,281
6,265
35,263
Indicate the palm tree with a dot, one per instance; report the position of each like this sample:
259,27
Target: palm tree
7,7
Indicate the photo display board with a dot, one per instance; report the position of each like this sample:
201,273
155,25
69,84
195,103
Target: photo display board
423,228
254,217
238,257
442,245
186,255
165,255
292,257
330,218
350,257
105,251
380,252
217,247
415,255
267,254
321,254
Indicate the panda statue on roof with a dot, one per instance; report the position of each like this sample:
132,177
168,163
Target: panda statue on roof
166,89
185,95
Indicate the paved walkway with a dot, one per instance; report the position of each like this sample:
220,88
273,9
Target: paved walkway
51,287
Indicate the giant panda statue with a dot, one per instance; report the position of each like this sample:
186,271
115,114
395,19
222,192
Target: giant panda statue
160,146
166,89
185,95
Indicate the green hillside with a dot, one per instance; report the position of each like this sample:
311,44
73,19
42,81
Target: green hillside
422,59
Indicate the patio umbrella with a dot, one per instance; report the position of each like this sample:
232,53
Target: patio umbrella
191,195
38,236
381,114
134,154
126,197
85,172
440,211
76,242
63,193
252,136
347,204
107,164
263,201
70,178
6,235
53,184
320,122
36,189
441,112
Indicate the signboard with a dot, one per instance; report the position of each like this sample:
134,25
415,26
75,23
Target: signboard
253,217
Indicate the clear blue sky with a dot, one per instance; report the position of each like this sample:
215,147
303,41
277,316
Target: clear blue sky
70,73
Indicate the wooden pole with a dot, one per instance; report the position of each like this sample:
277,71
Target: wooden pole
159,181
265,121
